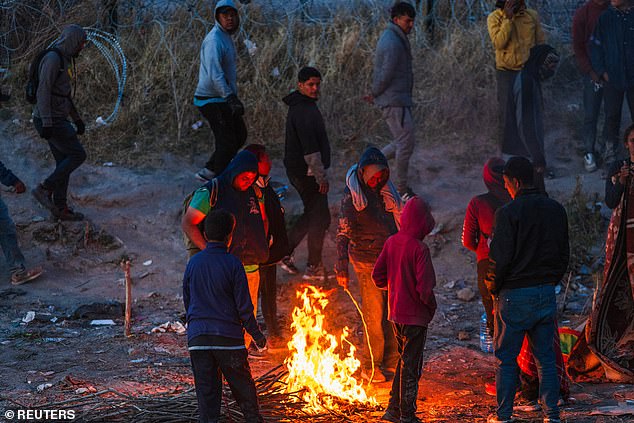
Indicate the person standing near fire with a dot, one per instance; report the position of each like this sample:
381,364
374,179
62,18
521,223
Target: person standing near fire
370,212
529,255
218,307
216,95
307,159
404,268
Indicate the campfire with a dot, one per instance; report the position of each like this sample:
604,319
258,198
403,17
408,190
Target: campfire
320,369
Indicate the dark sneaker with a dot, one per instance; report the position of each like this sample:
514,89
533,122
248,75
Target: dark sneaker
391,416
317,273
288,265
69,214
44,197
26,275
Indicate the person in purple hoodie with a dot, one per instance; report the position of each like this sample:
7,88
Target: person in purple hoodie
405,269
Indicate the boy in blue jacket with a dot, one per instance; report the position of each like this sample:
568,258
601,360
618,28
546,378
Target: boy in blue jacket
219,308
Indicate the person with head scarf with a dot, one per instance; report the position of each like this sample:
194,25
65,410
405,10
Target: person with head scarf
478,225
370,213
50,117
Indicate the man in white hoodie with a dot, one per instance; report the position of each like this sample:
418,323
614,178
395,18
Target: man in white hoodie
216,95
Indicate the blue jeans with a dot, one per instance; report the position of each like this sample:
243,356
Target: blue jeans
9,241
531,311
591,107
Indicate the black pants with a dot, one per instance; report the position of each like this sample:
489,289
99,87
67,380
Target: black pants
207,366
69,155
411,344
487,300
268,291
230,134
507,123
315,220
613,105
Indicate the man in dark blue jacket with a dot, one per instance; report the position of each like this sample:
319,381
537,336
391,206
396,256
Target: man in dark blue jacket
528,257
219,308
612,56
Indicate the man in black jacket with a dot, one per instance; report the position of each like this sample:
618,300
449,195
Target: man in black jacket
529,256
306,158
50,118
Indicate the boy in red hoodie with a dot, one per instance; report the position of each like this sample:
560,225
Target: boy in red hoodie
405,269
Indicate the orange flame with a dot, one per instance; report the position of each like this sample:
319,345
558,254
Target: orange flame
316,369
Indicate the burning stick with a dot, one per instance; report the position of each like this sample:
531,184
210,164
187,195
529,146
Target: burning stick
365,328
125,265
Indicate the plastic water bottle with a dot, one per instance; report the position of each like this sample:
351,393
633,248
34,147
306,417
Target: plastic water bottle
486,340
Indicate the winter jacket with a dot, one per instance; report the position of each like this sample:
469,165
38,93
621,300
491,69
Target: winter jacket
305,136
513,38
249,242
277,238
217,74
612,47
583,24
478,221
393,77
362,233
7,177
216,295
54,91
530,243
405,269
613,188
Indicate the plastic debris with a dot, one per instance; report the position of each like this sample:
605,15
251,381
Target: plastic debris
252,48
275,72
147,262
44,386
103,322
176,327
37,219
30,316
100,122
108,164
137,360
197,125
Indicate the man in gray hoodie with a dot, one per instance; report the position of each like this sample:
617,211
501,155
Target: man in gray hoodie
392,84
216,95
50,117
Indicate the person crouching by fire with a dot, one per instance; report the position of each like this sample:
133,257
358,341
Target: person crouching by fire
405,269
219,308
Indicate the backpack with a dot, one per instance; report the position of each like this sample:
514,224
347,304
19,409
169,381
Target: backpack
33,80
212,187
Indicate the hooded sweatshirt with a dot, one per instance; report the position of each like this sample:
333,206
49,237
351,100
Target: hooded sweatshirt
217,74
306,137
55,87
405,269
480,216
362,232
393,76
249,239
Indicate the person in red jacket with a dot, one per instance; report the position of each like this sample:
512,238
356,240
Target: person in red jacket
405,269
583,24
478,225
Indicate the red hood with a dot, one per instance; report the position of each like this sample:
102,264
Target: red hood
416,219
492,177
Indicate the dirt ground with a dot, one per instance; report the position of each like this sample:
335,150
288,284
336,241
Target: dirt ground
134,213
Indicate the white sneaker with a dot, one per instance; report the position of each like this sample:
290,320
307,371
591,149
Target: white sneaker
589,162
205,175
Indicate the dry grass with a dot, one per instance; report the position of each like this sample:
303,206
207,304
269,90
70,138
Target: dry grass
454,79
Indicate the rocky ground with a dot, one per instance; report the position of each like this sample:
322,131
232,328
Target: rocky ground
55,353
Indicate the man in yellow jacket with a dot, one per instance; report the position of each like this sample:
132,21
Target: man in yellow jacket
514,30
